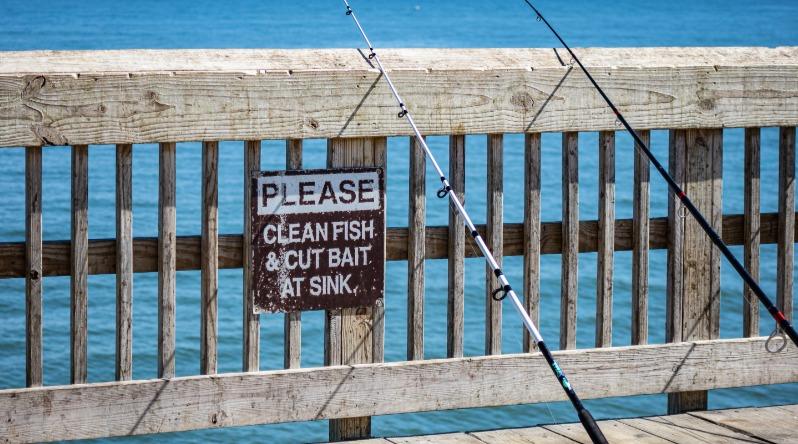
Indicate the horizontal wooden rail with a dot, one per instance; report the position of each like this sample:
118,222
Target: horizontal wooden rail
102,252
145,96
236,399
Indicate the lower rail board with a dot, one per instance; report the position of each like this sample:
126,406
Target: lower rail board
102,252
238,399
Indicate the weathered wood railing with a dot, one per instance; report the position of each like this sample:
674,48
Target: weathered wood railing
133,97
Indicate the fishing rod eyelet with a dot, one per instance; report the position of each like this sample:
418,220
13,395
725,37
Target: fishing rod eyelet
348,12
538,18
780,333
402,113
504,292
443,192
372,54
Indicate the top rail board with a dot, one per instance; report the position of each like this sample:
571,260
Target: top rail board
145,96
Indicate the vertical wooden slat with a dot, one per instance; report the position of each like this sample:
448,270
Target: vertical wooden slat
751,229
570,239
415,252
33,265
166,260
456,307
676,217
79,276
332,337
378,151
495,240
640,215
715,138
292,322
698,297
358,340
786,237
251,340
209,274
606,238
531,233
124,262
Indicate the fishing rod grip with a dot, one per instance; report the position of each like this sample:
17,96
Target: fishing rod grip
591,427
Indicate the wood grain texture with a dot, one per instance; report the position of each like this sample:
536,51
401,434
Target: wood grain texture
640,234
751,224
570,239
768,424
33,266
785,259
675,245
79,265
167,257
237,399
292,322
209,275
142,96
531,435
102,252
251,320
614,431
416,224
606,238
531,248
356,337
494,239
455,251
700,274
688,429
124,263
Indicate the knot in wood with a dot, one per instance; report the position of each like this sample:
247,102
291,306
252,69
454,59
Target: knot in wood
523,100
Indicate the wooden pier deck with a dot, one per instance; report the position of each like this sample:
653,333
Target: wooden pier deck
776,424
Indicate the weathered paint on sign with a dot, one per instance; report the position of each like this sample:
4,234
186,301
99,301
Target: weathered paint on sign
318,239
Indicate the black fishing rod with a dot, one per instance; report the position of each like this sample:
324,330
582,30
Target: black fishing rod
777,315
585,417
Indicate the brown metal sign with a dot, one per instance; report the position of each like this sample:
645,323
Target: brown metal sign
318,239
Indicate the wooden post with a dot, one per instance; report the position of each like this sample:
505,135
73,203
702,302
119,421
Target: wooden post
79,277
209,274
786,235
167,250
416,251
606,239
531,233
495,241
292,322
640,232
33,266
350,333
251,342
456,248
751,229
693,261
124,262
570,239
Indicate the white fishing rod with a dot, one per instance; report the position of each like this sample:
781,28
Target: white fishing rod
585,417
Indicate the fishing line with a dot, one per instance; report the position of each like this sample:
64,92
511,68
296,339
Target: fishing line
781,321
506,290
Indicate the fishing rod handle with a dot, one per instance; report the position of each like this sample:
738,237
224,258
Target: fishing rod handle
592,429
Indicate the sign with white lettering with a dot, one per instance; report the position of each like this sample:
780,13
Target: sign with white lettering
318,239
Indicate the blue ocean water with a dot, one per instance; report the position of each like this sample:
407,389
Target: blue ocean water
111,24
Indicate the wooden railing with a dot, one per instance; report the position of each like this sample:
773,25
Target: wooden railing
134,97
